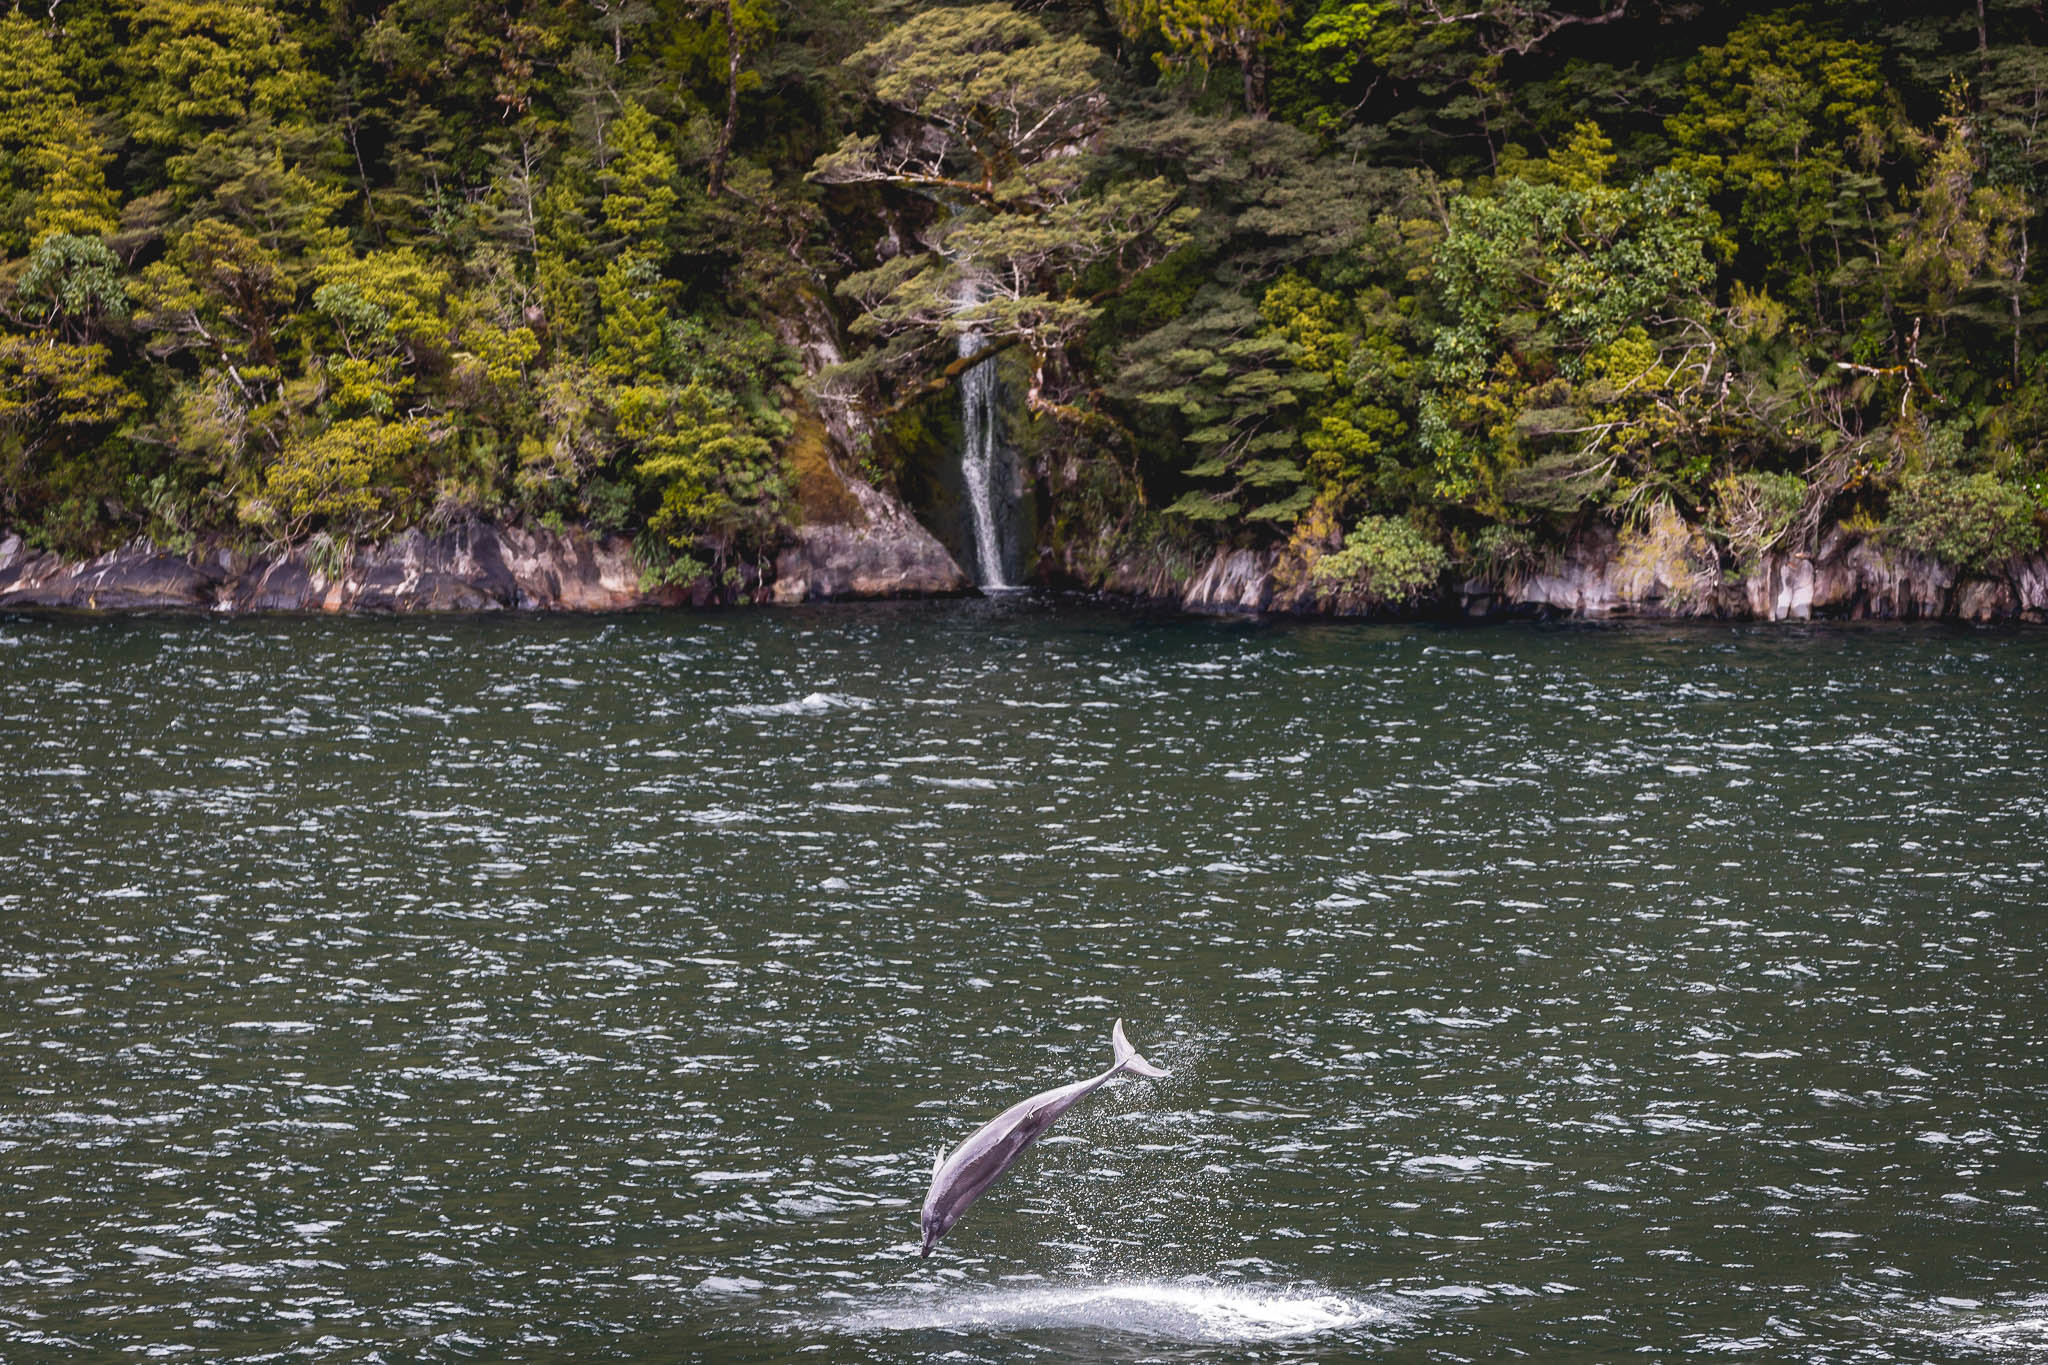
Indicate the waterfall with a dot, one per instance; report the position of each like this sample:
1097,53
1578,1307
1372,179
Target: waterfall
984,467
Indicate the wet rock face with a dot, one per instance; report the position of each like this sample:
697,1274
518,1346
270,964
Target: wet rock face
869,546
124,580
879,550
875,549
851,540
1665,570
1846,577
473,567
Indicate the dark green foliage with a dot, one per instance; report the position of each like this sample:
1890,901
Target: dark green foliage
1262,270
271,276
1231,387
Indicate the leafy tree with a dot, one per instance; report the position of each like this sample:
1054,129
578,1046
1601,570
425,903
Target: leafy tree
1788,127
72,285
383,301
1551,389
52,159
196,67
224,296
705,444
746,25
1962,242
1203,33
1358,430
222,303
1973,522
994,116
49,391
638,183
61,391
1234,384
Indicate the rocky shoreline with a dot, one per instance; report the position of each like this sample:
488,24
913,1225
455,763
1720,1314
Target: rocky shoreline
476,566
1598,575
874,548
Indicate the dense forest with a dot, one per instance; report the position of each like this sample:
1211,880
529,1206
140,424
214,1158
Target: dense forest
1391,287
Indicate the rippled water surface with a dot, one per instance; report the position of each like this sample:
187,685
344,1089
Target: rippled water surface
537,989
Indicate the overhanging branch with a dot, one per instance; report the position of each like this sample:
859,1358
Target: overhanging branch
946,377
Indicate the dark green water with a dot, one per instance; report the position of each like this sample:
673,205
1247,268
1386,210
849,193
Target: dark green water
539,989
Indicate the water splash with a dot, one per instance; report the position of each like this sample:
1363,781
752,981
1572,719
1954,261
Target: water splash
984,466
1196,1311
2010,1328
813,704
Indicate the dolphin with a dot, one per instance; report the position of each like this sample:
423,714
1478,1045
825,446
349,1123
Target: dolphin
958,1180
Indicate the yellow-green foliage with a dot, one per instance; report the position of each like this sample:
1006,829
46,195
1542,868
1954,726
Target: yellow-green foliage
52,159
629,338
339,478
713,475
501,358
197,65
45,383
1204,33
1384,559
386,302
638,181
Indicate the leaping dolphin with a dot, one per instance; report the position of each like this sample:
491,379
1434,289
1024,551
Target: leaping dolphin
958,1180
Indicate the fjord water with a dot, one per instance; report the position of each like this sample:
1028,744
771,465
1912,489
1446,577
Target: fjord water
522,989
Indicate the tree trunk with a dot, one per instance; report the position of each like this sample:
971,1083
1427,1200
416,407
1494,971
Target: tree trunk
2019,279
1253,63
732,102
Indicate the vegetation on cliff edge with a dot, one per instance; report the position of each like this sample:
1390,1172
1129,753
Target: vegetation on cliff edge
1394,285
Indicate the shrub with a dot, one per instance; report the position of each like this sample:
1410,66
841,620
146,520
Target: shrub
1385,559
1754,511
1502,552
1971,523
339,477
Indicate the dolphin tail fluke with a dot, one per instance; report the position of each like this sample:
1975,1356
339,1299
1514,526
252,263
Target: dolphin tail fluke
1127,1058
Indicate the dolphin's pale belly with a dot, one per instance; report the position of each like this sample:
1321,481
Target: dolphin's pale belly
978,1162
980,1169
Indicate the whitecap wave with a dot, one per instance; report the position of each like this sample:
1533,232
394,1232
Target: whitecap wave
2015,1328
816,704
1195,1311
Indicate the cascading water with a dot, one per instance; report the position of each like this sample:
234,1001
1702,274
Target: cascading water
984,467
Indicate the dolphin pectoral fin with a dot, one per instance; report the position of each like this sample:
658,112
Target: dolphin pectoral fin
938,1163
1127,1058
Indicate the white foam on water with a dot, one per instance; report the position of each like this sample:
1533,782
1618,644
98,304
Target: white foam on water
1196,1311
815,704
2017,1328
2001,1328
